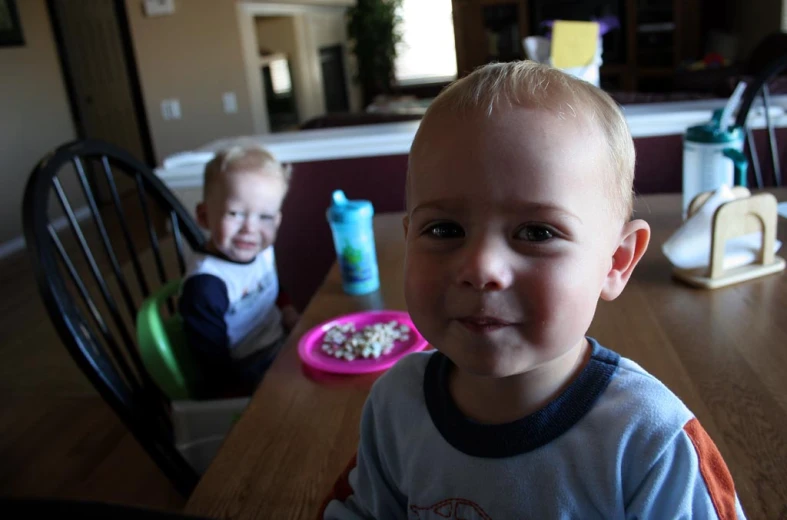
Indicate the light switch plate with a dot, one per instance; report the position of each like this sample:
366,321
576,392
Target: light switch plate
170,109
159,7
230,102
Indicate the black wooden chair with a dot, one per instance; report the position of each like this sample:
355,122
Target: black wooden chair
103,232
767,63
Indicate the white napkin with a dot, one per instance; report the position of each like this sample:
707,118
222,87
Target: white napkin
690,246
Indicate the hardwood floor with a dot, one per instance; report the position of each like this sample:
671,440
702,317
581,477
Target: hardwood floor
58,438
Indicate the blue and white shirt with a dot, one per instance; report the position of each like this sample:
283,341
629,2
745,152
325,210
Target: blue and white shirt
615,444
230,306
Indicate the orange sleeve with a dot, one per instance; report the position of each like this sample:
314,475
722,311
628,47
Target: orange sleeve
714,471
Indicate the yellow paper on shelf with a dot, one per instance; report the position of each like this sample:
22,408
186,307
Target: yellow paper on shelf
573,43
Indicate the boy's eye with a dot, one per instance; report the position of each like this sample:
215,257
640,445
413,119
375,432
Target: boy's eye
535,233
266,217
445,230
235,214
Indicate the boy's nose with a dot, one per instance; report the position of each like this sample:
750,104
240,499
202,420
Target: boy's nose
485,266
249,224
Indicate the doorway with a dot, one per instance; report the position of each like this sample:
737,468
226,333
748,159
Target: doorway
96,55
279,93
333,79
309,28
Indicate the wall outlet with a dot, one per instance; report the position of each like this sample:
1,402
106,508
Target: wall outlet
170,109
230,102
158,7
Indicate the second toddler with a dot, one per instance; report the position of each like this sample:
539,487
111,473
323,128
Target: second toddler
235,317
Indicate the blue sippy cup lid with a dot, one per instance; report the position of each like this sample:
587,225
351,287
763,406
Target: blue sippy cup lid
345,210
712,132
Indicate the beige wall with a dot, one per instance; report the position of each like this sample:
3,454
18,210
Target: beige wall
193,55
328,29
34,112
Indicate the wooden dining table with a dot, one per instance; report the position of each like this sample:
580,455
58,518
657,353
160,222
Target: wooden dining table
723,352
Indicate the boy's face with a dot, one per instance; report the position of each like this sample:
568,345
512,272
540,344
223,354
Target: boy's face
509,237
242,213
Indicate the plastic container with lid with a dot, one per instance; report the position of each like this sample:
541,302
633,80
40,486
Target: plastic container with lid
353,238
712,156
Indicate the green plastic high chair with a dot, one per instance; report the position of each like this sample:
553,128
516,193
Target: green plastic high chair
199,425
163,346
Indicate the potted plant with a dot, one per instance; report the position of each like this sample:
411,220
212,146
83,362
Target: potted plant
373,27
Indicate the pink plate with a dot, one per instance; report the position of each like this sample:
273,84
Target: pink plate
310,353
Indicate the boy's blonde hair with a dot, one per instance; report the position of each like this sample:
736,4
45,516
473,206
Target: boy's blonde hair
530,84
240,159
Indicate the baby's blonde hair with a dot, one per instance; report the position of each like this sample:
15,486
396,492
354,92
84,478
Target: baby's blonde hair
530,84
242,159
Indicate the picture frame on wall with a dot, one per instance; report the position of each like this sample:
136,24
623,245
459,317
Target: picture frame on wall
10,27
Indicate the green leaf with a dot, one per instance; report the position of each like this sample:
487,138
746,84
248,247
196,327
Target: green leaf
373,28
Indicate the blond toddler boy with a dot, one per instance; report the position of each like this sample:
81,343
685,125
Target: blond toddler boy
236,318
519,204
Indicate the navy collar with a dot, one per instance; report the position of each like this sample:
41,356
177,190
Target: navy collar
525,434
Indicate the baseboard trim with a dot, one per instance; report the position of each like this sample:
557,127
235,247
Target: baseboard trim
16,244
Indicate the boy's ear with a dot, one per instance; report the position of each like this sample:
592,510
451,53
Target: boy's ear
278,219
202,215
633,244
406,225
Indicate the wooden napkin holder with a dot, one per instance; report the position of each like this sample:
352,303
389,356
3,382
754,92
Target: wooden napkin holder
745,214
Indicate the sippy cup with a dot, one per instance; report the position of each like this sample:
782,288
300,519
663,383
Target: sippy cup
353,237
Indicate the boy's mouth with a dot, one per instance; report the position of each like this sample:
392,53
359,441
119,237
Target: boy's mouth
483,324
244,244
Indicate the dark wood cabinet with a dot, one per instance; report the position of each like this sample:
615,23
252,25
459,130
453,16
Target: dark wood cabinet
654,38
